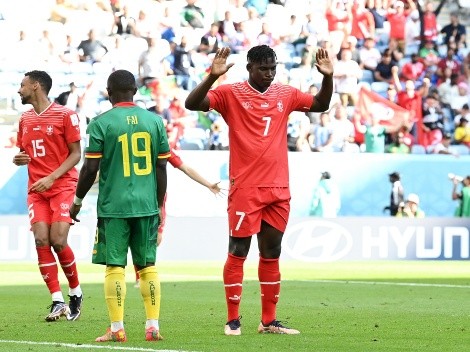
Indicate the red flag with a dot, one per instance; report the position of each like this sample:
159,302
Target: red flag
371,104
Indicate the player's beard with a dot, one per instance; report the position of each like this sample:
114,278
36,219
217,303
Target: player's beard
25,99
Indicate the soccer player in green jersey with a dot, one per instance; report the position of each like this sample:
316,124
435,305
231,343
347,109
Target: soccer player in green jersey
128,145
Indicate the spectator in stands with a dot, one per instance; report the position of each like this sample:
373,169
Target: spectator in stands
429,55
227,27
211,41
398,145
192,15
384,70
153,65
343,130
449,61
91,50
410,98
240,43
326,199
454,32
413,70
443,147
463,112
362,21
183,65
448,88
267,37
298,126
124,23
161,108
321,134
397,17
413,33
374,134
462,97
69,53
370,55
347,74
144,26
430,26
433,122
462,132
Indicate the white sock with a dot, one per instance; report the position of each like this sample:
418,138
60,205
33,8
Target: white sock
152,323
57,297
77,291
117,325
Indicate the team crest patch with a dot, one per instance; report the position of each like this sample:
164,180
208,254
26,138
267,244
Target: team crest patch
280,106
49,130
74,119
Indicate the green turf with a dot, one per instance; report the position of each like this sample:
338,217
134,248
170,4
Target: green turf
364,309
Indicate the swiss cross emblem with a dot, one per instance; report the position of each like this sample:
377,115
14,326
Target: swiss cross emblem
49,130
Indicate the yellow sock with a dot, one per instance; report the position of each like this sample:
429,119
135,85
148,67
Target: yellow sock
150,290
115,292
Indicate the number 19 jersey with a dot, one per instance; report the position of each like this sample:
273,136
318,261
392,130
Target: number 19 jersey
128,139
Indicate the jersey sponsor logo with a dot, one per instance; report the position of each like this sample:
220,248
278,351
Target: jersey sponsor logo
247,105
280,106
265,105
74,119
317,241
49,130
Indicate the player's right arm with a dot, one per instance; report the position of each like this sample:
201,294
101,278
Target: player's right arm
197,100
21,158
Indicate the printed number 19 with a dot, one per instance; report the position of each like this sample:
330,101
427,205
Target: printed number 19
268,122
136,152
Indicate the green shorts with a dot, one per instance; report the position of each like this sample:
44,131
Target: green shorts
115,236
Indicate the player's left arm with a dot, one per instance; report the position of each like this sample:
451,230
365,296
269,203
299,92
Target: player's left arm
73,158
325,67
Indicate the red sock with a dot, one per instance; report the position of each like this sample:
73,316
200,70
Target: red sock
233,278
270,283
48,268
137,276
67,261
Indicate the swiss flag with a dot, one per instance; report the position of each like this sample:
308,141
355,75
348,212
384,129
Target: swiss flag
371,104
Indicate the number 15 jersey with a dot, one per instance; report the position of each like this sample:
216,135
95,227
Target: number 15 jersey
128,139
258,130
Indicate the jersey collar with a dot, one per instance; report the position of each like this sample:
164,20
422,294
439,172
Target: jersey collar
124,104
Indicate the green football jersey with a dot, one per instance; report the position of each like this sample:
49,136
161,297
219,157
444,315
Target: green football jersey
128,139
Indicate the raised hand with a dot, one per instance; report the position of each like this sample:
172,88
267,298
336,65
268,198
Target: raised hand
219,64
323,62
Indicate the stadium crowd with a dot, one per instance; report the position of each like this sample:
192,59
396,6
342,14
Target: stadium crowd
401,70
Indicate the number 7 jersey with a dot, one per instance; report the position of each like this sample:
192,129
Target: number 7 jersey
44,137
128,139
258,130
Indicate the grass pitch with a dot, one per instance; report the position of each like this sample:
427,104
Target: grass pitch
361,306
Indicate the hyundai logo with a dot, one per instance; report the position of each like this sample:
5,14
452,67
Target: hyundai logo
317,241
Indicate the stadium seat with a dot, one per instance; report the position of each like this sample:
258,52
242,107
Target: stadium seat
460,149
418,149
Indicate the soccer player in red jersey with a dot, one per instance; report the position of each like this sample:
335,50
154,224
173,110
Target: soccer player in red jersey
175,161
256,112
49,142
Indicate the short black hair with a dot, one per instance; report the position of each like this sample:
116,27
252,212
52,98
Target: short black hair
260,54
121,81
42,77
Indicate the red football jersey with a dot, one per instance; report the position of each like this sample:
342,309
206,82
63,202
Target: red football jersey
258,130
44,137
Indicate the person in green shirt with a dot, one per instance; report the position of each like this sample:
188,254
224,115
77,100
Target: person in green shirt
398,146
128,145
463,209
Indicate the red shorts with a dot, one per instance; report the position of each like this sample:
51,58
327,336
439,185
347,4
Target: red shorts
247,207
52,205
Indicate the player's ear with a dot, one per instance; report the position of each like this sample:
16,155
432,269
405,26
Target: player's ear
248,67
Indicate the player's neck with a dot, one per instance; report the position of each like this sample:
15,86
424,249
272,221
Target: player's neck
41,104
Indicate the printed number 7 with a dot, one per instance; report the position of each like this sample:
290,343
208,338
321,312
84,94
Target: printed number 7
242,216
268,122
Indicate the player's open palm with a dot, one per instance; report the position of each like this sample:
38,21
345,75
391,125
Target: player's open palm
323,62
219,64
